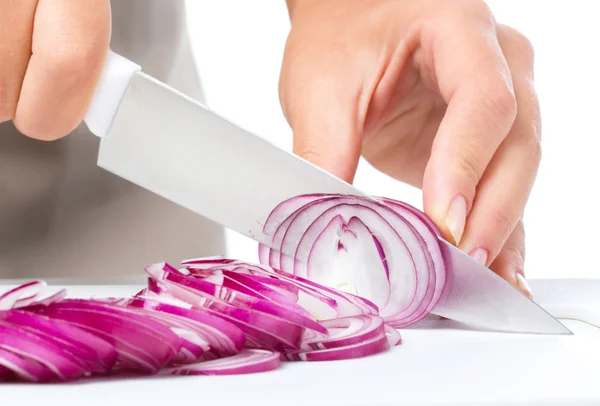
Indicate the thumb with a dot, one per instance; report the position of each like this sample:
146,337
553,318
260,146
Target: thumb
320,102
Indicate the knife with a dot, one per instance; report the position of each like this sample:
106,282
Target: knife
160,139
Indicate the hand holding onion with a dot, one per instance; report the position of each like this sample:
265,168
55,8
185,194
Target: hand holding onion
431,92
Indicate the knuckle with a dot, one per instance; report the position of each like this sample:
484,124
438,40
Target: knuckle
310,155
519,42
520,229
529,129
515,246
498,98
501,222
472,8
531,144
536,116
517,253
470,169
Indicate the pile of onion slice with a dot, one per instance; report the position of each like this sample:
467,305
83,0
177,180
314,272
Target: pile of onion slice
338,278
382,250
213,316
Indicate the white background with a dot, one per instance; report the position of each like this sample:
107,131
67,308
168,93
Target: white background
239,46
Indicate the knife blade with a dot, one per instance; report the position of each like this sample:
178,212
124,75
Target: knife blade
166,142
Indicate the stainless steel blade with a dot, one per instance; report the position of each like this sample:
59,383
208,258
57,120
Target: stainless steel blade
178,149
175,147
476,296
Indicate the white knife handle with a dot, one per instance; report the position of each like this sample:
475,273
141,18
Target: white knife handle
109,92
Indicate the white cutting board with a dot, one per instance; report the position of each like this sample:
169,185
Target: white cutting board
438,364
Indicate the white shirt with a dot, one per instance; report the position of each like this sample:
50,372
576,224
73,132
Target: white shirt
62,216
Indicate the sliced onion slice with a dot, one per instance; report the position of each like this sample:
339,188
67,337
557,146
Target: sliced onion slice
22,342
5,373
246,362
347,331
362,349
25,293
322,302
263,330
222,297
222,337
24,368
393,336
94,353
141,342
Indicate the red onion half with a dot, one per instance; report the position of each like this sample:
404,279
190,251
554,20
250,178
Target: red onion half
382,250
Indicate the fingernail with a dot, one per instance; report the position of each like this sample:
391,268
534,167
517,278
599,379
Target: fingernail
456,218
480,255
522,284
